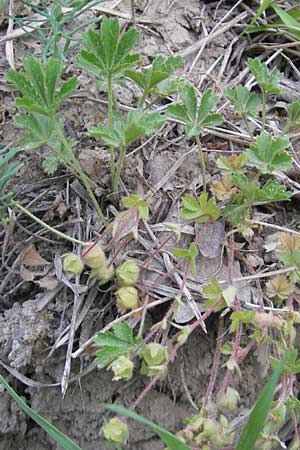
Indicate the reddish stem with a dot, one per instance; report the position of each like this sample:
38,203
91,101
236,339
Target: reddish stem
215,367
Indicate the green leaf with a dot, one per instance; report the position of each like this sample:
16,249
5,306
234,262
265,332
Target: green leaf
108,52
161,69
243,101
201,210
268,154
127,129
178,112
51,164
66,89
267,81
260,411
22,84
53,73
7,172
35,75
120,342
134,200
38,129
189,98
292,24
262,8
64,441
294,114
39,86
168,438
195,117
191,253
275,191
236,211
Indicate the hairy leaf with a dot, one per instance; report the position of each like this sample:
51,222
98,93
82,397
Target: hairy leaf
193,116
108,52
243,101
201,210
268,154
120,342
268,81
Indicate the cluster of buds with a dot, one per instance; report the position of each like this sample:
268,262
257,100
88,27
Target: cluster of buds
94,257
206,433
127,294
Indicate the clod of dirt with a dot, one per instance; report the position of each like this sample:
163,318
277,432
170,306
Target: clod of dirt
23,330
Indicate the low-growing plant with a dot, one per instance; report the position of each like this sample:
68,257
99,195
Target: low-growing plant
55,25
244,182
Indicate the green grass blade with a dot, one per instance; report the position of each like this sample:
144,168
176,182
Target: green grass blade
292,24
260,411
168,438
264,5
65,442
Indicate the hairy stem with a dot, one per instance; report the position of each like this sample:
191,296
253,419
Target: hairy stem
78,168
264,109
48,227
246,121
119,169
111,124
202,162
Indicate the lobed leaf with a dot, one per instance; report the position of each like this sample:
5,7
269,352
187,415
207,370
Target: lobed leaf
243,101
269,154
267,81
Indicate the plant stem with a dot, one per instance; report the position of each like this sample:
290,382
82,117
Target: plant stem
119,169
142,99
264,109
132,11
48,227
202,163
111,124
248,127
78,168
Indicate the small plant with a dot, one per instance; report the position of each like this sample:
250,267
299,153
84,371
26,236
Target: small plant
41,98
196,117
268,82
58,32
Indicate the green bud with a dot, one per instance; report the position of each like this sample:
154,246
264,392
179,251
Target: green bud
230,399
115,430
154,354
72,264
209,428
127,273
94,256
127,298
183,335
122,367
151,371
104,273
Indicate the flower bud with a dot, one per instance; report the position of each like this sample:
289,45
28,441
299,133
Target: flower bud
154,354
127,273
127,298
230,399
104,273
122,367
115,430
72,264
94,256
151,371
183,335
